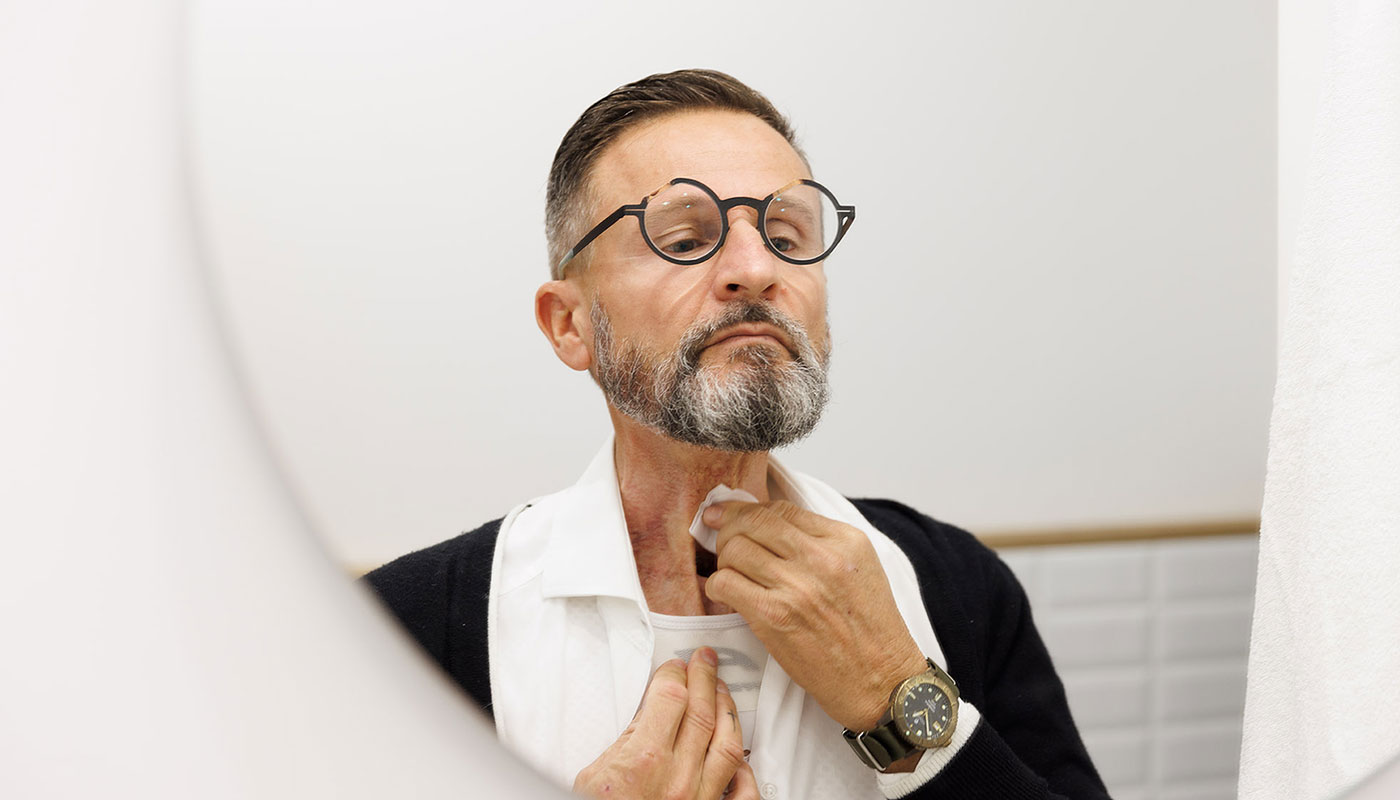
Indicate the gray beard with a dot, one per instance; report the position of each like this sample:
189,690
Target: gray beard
766,401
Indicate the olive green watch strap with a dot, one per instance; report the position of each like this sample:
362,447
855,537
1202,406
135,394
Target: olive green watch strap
880,747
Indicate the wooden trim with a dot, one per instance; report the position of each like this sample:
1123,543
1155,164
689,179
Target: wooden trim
1051,537
1126,533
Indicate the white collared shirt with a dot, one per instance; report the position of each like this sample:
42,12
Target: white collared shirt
571,643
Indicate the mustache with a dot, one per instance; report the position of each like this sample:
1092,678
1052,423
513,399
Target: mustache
692,344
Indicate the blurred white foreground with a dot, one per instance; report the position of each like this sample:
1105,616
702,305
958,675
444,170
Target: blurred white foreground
170,629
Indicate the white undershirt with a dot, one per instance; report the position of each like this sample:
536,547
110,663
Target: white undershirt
742,656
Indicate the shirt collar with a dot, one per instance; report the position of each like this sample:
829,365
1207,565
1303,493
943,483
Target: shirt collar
590,551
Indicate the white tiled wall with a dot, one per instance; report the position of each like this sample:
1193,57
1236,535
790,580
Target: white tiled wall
1151,639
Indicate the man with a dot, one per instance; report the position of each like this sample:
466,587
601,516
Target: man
692,619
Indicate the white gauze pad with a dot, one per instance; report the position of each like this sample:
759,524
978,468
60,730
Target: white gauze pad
704,534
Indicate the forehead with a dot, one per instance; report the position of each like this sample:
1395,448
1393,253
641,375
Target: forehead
732,152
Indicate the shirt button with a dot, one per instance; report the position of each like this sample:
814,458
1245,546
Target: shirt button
768,790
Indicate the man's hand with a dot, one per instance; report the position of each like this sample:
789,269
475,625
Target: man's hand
683,744
813,591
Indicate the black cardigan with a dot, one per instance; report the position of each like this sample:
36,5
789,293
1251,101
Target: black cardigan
1026,745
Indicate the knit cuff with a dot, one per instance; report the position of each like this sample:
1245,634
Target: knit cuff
933,761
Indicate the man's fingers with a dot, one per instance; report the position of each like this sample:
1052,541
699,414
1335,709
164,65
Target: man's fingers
756,562
720,514
725,755
778,526
699,722
663,706
744,786
736,590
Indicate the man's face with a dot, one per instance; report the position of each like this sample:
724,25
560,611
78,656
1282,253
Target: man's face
730,353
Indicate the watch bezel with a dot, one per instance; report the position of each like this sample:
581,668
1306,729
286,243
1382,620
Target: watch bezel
902,693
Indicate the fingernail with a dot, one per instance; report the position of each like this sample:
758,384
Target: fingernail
709,656
712,516
721,686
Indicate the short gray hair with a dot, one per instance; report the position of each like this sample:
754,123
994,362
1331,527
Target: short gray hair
568,201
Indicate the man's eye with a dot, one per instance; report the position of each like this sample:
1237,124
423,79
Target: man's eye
687,240
785,236
682,246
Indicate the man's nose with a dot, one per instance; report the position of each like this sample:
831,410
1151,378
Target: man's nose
745,266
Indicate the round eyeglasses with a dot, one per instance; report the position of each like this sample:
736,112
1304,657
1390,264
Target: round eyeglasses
685,222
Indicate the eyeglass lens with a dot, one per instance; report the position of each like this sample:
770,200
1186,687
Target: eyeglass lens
684,222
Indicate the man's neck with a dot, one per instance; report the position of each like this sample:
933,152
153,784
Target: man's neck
663,482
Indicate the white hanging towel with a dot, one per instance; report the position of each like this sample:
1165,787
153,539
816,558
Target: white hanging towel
1322,709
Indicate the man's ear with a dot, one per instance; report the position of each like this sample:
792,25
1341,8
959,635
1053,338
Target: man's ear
563,316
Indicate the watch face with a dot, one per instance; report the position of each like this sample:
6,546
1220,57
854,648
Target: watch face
926,715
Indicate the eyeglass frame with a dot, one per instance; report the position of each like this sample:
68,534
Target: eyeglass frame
845,215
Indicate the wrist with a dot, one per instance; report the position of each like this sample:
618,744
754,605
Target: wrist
875,700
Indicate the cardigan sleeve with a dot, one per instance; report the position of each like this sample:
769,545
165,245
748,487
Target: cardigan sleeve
1026,744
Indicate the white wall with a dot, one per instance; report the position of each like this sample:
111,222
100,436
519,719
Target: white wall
1056,307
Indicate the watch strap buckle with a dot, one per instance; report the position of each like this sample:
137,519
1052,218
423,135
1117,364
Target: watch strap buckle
878,748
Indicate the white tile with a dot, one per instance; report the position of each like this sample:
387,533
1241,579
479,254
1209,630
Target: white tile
1210,630
1128,792
1120,755
1093,637
1207,790
1203,568
1199,751
1096,574
1107,698
1202,691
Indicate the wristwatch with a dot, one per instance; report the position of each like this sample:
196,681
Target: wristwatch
922,715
